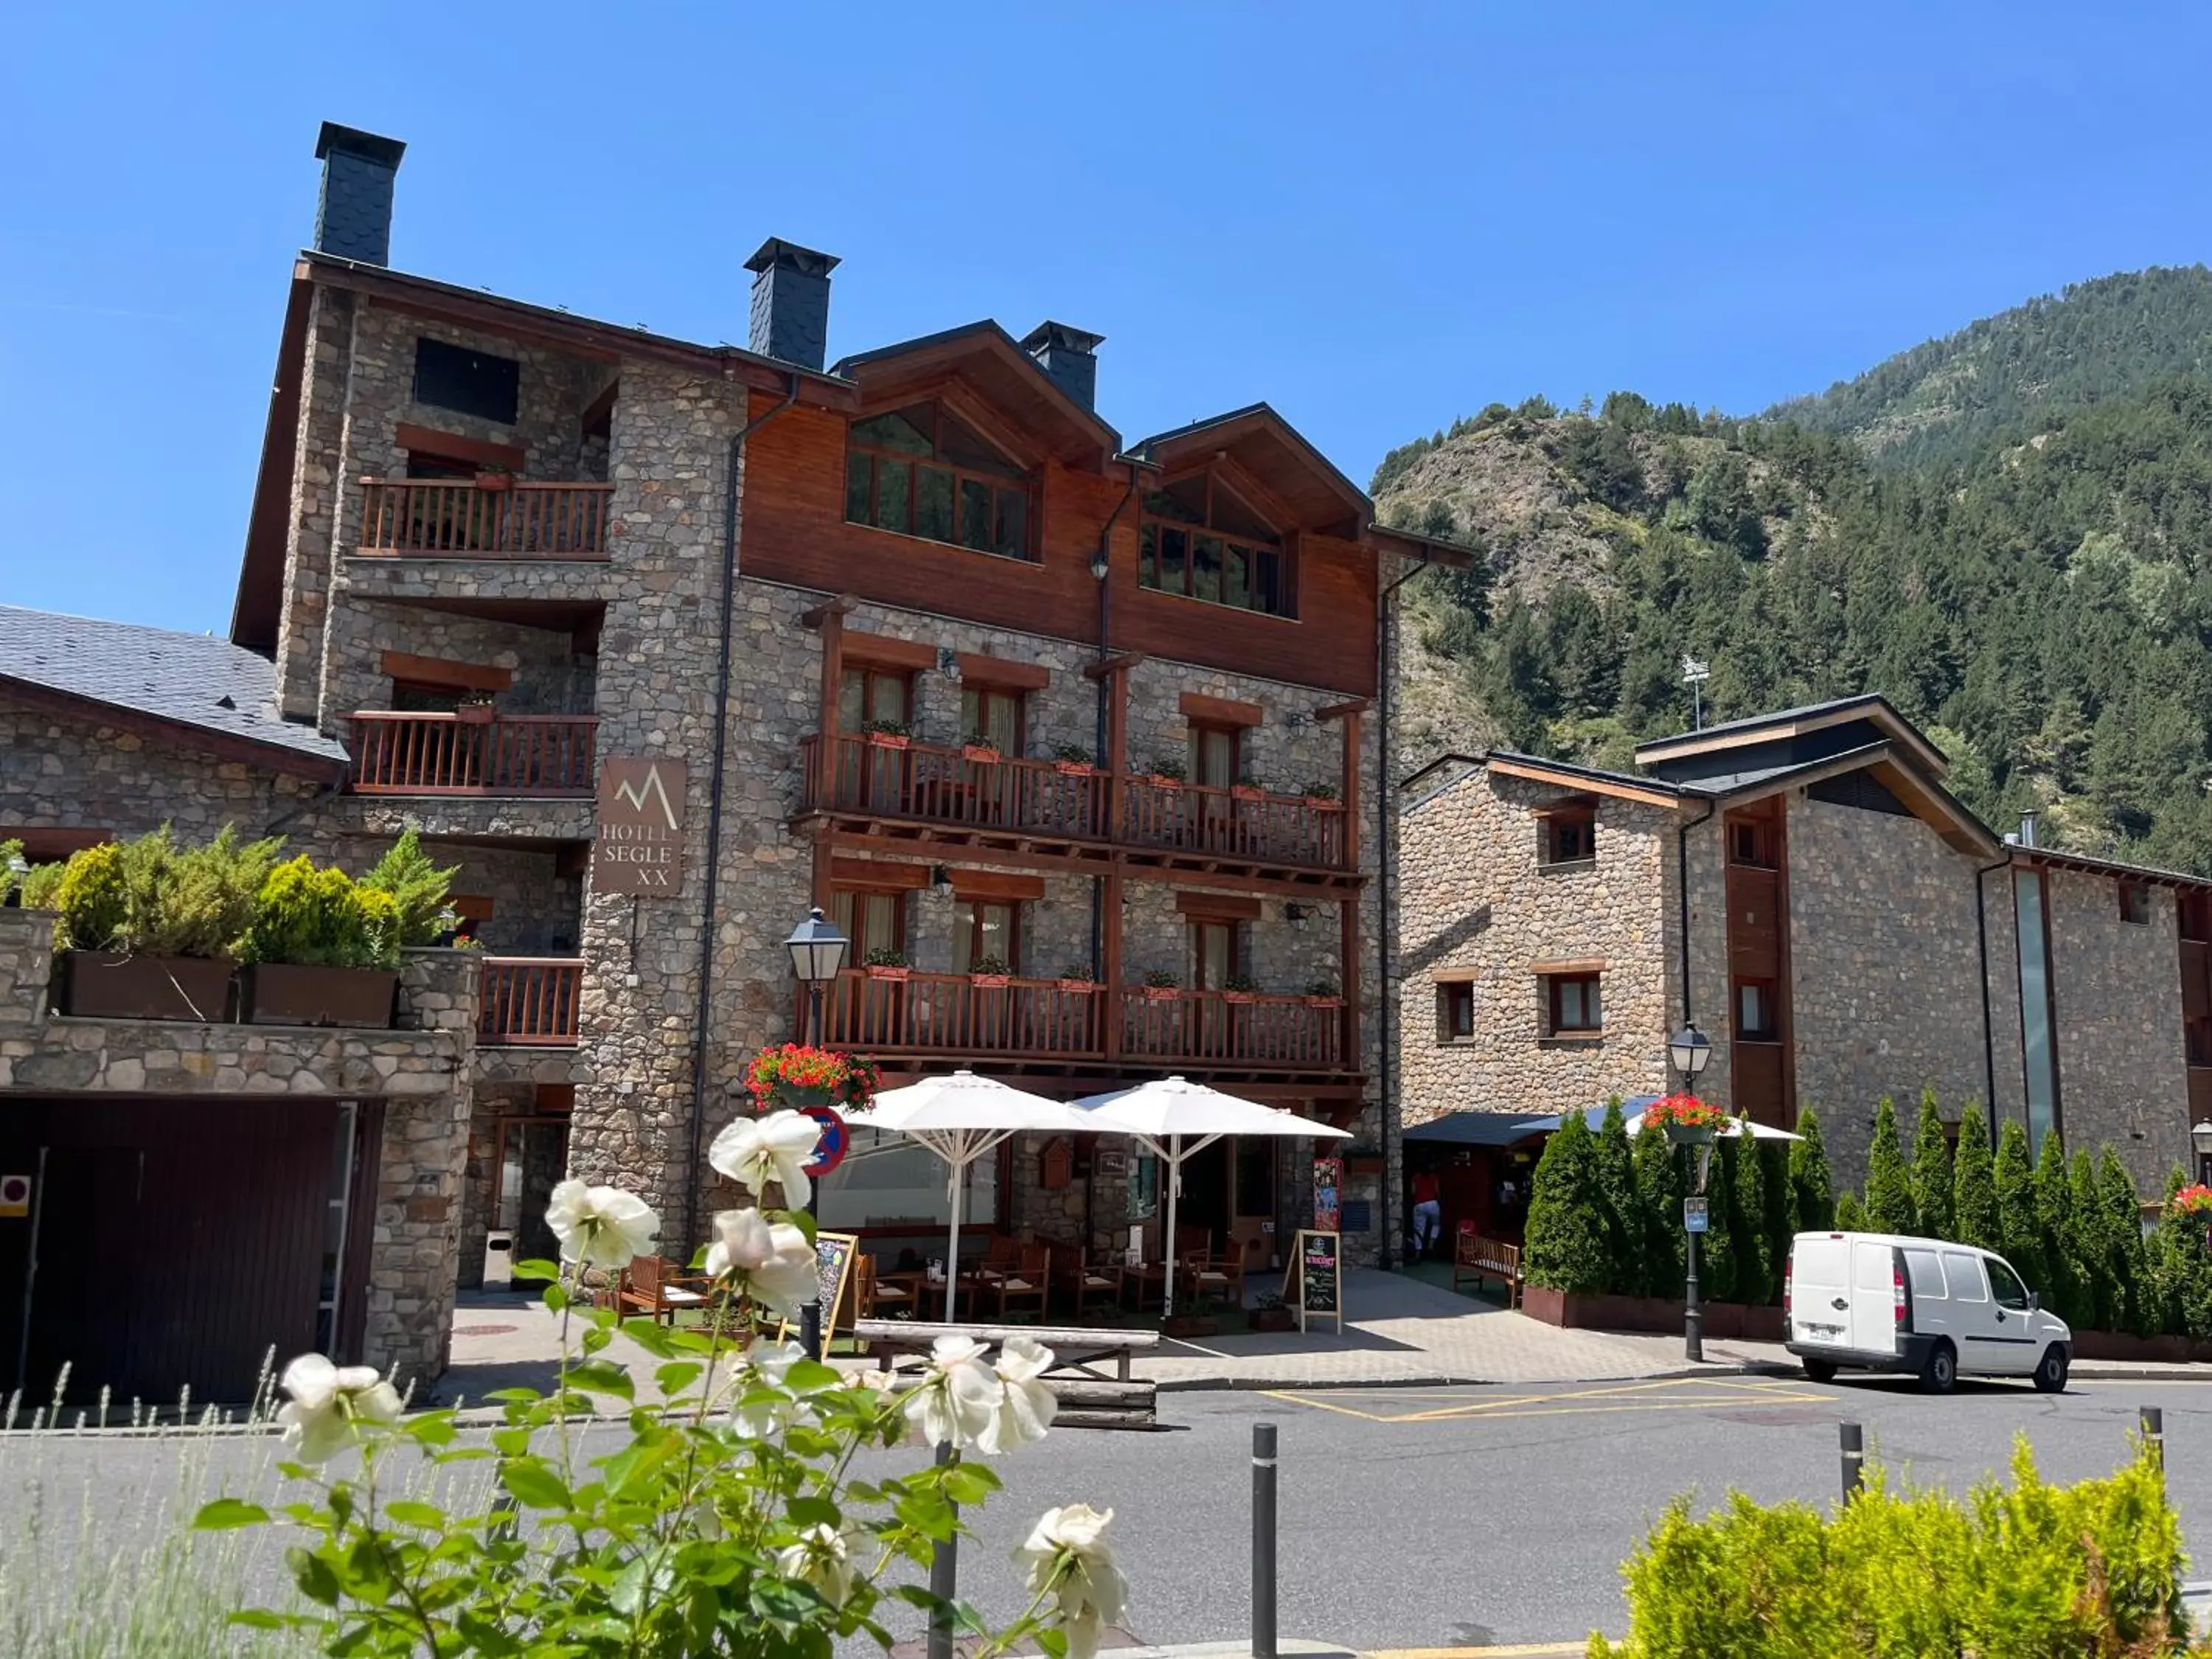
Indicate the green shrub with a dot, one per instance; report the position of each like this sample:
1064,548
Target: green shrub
1659,1188
418,887
1974,1185
149,895
1932,1182
2017,1217
322,918
1777,1215
1566,1246
2181,1269
2098,1294
11,853
2054,1232
1889,1183
1718,1250
1614,1168
1851,1214
1758,1270
2134,1307
40,888
2038,1569
1812,1188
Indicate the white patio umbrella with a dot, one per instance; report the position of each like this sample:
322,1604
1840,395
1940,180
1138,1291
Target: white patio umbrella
1177,1119
960,1117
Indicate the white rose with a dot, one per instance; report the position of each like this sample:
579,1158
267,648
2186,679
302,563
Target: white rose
328,1401
766,1419
1026,1404
769,1261
1068,1556
820,1559
754,1151
600,1226
959,1397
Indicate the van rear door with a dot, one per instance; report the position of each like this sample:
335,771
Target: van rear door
1874,1297
1820,1289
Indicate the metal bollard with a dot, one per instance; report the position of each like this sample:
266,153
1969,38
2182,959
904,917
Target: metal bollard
1263,1540
2153,1433
1853,1448
943,1578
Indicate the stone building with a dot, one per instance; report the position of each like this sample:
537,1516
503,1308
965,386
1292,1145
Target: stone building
1803,889
662,644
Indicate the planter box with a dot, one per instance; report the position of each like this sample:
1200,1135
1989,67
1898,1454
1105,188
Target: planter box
989,981
100,985
1323,803
897,975
1083,985
1273,1319
1160,992
1240,996
285,993
888,740
980,755
1161,781
1248,792
1190,1325
475,714
1656,1315
1322,1002
2152,1350
494,481
1075,768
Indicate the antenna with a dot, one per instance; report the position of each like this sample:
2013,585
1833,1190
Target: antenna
1695,673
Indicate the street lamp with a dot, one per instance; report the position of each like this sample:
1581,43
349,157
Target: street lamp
1691,1054
11,890
818,952
2200,1137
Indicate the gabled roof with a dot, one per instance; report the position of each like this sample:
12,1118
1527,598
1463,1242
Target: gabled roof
1871,707
1273,453
196,688
988,359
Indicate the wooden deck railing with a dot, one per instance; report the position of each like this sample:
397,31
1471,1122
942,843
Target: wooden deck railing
529,1001
458,517
941,785
397,754
1232,1028
951,1014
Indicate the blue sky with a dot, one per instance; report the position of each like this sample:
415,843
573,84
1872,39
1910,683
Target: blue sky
1377,217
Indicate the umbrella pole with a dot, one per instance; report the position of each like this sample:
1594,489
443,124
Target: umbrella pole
952,1252
1175,1194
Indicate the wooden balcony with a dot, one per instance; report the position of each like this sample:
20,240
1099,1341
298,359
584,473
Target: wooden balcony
529,1001
464,519
397,754
1233,1028
925,793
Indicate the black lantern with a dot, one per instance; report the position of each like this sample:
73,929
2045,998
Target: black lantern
1690,1052
818,949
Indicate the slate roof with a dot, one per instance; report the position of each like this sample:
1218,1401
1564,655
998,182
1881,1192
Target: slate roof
193,680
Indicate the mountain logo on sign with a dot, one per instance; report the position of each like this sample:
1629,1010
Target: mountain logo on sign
635,796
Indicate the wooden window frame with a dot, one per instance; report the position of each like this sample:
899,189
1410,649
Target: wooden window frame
1198,731
1759,833
1568,836
1018,482
1194,929
1554,1004
974,905
868,673
987,692
1452,995
1769,994
1151,526
2135,901
860,892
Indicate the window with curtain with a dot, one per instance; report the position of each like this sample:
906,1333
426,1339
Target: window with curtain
865,694
1215,751
1198,538
1574,1003
987,930
921,471
873,920
1214,955
992,716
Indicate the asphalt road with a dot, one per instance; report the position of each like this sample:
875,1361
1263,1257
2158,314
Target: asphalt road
1411,1518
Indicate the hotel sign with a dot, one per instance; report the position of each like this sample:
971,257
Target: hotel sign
640,845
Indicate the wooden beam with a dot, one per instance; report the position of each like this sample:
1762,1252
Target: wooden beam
882,651
1337,711
843,605
599,413
1220,711
1536,771
996,886
1222,906
1003,671
438,670
1582,965
455,447
1121,663
1022,452
883,874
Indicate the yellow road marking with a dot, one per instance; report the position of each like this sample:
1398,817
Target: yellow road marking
1518,1651
1608,1398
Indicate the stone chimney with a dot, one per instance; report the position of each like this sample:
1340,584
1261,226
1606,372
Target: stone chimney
353,216
2027,829
1069,356
790,302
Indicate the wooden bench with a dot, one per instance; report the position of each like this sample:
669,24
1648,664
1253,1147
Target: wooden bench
1478,1258
1089,1399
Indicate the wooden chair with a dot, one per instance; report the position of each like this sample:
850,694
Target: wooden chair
1091,1281
1028,1283
1220,1278
651,1286
875,1300
1001,1258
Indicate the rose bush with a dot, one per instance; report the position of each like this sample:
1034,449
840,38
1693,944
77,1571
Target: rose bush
723,1520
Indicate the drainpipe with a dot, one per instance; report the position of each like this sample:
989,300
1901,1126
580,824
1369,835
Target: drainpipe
1386,924
1989,1038
1682,893
1105,690
715,807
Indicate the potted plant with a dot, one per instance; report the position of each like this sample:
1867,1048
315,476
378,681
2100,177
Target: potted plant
1239,987
990,974
1323,993
1687,1120
797,1074
1167,772
1323,797
980,748
884,963
887,734
1270,1314
1076,977
476,709
1160,985
149,930
1247,787
322,950
495,478
1073,759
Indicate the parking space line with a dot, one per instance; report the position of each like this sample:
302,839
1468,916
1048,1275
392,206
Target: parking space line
1661,1394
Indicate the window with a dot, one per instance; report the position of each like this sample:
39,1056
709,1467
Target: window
419,698
1215,954
1751,842
1198,538
2005,1286
873,920
992,715
2196,916
1925,1272
468,382
2135,903
1143,1183
984,932
1574,1003
920,471
1755,1012
899,1184
1569,837
873,693
423,464
1962,1277
1215,754
2040,1062
1455,1010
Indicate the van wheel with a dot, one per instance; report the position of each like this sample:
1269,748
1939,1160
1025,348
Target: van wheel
1939,1370
1820,1370
2050,1370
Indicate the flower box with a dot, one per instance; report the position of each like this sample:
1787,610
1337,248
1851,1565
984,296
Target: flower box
1323,803
978,753
495,481
989,981
1248,792
1240,996
1322,1002
1160,992
102,985
1162,781
877,970
1075,768
1086,986
1190,1325
888,739
289,993
475,714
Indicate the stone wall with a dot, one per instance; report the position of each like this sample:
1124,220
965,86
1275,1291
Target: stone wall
550,677
420,1073
535,911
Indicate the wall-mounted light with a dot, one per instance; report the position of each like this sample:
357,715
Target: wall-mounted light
1296,912
948,662
1099,566
940,882
1298,719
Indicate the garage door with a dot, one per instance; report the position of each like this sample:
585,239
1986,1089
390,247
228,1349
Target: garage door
170,1246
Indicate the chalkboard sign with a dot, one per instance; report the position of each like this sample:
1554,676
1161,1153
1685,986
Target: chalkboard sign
1313,1285
833,1267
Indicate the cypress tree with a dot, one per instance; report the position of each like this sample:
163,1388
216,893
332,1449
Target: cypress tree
2054,1228
1658,1165
1931,1173
1566,1246
2181,1269
1757,1268
2017,1222
1716,1251
1889,1182
1777,1209
1812,1192
1850,1215
2090,1248
1615,1174
1974,1185
2133,1303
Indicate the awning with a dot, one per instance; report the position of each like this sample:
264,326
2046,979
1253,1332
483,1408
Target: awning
1478,1129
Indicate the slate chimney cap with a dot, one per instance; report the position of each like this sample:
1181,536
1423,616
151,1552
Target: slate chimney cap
777,251
352,141
1063,337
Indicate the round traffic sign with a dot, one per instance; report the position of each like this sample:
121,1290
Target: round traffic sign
830,1151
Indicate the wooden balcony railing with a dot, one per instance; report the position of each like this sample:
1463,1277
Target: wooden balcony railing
1238,823
1231,1028
461,519
951,1014
397,754
945,786
529,1001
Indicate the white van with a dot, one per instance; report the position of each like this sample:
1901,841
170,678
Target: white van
1880,1301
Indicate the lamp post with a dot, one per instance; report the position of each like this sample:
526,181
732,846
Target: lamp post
2200,1137
818,952
1690,1052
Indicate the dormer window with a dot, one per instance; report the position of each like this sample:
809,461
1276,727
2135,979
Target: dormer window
921,471
1199,539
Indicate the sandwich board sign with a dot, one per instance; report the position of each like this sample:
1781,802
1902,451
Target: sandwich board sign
1314,1284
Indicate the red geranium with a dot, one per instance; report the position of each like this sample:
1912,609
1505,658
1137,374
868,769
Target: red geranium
2193,1200
849,1080
1685,1112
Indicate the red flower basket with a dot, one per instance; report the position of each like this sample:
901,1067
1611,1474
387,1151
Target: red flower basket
1686,1118
2194,1201
797,1074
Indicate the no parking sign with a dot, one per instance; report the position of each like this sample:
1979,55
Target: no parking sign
830,1151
